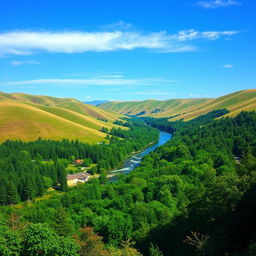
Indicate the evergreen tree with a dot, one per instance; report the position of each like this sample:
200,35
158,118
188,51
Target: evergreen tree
62,226
28,191
62,177
11,194
39,186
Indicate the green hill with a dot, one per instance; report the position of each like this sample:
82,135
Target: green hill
67,103
186,108
152,107
28,117
235,102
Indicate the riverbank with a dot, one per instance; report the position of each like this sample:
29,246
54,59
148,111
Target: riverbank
134,161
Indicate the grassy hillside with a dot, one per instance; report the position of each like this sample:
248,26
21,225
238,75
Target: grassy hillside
67,103
28,117
235,102
186,108
152,107
78,118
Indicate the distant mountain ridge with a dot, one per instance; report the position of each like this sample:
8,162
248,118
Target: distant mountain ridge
96,102
27,117
186,108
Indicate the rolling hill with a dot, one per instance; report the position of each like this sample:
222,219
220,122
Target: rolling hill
186,108
28,117
67,103
152,107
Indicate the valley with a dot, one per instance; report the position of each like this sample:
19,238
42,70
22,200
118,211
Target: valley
186,109
160,189
127,128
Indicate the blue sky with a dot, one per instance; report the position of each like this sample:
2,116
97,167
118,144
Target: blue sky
127,49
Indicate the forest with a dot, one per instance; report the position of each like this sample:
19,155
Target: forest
178,125
27,169
192,196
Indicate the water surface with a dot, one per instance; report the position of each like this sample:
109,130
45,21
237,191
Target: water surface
134,160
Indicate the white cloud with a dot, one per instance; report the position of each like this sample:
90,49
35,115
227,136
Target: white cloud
25,43
18,63
180,49
228,66
188,35
217,3
88,82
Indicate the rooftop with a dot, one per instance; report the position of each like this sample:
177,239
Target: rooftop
79,175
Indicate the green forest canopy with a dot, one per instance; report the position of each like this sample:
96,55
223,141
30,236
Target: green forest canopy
192,196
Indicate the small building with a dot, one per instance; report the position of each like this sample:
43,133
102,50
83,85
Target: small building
78,162
76,178
237,159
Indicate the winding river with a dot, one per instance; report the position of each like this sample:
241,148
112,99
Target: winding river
134,160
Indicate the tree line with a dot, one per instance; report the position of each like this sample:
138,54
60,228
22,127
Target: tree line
27,169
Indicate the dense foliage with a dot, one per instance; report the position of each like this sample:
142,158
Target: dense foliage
168,125
192,196
24,176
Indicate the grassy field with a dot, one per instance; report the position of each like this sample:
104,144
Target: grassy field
66,103
235,103
186,108
29,117
152,107
78,118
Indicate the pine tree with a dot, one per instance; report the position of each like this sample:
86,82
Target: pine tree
3,183
39,185
62,226
62,177
28,192
11,196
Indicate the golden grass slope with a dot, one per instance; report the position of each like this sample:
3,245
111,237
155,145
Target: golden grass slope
28,117
186,108
78,118
235,102
152,107
25,122
67,103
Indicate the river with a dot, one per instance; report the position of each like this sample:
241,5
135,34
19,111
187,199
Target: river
134,160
